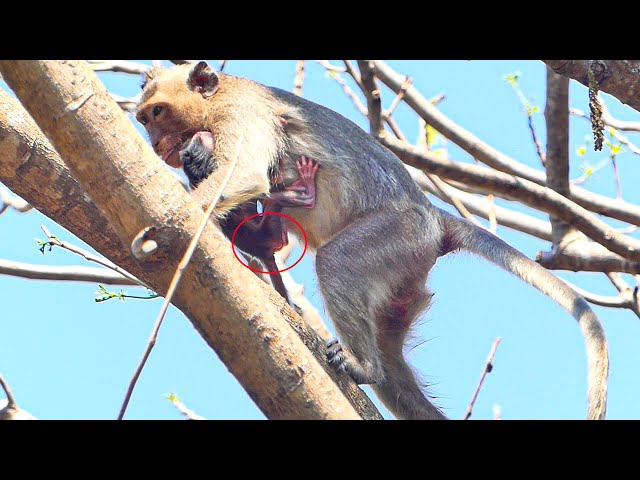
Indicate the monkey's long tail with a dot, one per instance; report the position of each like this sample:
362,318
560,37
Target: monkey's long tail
469,237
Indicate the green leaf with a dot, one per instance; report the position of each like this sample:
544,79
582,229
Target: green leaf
616,149
581,151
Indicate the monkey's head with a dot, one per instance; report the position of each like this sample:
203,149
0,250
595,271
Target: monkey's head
173,106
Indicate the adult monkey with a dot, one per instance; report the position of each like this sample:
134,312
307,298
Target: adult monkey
260,237
367,209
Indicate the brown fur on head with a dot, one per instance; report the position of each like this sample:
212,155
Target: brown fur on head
172,106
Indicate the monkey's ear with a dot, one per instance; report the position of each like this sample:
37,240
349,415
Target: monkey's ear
203,80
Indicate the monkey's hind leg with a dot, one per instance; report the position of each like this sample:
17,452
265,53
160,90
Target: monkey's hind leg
400,392
372,276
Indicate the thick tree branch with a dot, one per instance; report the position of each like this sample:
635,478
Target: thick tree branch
250,332
486,154
478,206
620,78
586,256
525,191
556,115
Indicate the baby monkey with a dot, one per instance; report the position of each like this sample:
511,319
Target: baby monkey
263,235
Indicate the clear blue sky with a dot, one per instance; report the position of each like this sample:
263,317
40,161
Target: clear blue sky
67,357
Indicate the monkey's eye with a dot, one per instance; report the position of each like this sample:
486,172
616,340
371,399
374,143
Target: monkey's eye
156,110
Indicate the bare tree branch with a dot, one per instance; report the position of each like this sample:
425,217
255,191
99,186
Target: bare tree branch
330,67
372,93
556,115
89,257
63,273
7,200
182,408
10,409
620,78
250,333
625,299
586,256
601,204
122,66
11,401
175,281
476,205
298,80
524,190
488,367
608,120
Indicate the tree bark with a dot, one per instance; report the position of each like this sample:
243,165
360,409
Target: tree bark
620,78
247,323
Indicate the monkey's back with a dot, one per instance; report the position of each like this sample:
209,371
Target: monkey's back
357,174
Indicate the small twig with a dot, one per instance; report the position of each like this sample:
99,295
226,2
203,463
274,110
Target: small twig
176,280
615,125
122,66
182,408
536,141
126,104
330,67
488,367
106,295
396,101
497,412
437,99
298,81
493,222
223,64
63,273
54,241
11,401
352,71
616,177
7,200
617,281
350,93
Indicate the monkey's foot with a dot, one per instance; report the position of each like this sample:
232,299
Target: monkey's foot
343,361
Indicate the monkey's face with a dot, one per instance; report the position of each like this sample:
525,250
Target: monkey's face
173,107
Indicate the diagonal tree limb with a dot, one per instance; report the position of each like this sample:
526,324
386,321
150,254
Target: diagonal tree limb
250,332
524,190
620,78
63,273
486,154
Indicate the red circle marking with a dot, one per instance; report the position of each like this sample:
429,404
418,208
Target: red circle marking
304,234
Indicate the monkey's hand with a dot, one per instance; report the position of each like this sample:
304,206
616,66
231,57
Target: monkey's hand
302,192
198,160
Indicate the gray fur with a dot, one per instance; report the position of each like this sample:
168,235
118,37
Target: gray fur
375,234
